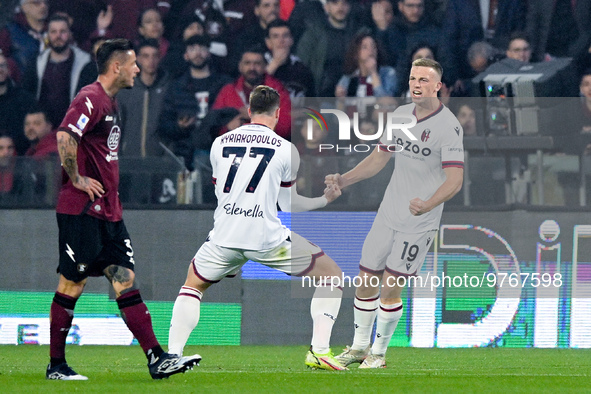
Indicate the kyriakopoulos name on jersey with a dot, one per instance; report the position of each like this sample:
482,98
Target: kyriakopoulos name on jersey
250,138
232,209
359,148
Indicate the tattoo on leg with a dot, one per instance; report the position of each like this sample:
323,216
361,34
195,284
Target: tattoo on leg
118,274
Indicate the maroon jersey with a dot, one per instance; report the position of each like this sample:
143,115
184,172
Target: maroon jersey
92,119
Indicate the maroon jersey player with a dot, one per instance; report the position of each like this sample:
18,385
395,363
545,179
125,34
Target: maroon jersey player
93,240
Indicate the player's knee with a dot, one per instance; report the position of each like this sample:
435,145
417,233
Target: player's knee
70,288
329,267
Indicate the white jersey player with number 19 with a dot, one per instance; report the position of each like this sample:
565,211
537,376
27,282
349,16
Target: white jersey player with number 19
429,170
254,169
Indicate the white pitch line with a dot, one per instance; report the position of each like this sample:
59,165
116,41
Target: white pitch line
422,372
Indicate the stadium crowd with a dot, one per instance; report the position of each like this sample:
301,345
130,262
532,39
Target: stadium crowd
200,59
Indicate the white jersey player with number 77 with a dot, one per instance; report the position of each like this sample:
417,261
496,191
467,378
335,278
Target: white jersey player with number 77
254,169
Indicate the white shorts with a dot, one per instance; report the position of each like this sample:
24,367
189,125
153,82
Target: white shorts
401,254
295,256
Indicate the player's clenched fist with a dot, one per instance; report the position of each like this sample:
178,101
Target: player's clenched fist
334,179
332,192
418,207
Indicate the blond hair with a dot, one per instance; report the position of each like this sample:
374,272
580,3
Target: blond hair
429,63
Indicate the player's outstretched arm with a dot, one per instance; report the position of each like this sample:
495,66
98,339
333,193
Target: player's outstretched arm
454,177
68,151
290,201
367,168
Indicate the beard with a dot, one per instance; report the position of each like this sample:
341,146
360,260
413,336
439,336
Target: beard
59,49
199,66
253,80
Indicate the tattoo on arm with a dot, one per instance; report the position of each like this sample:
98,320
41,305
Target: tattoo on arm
119,274
68,151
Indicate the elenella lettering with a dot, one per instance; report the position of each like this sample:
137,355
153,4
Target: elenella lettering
232,209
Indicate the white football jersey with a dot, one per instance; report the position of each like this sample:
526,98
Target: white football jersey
418,167
250,164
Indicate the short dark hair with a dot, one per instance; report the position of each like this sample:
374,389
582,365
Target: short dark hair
429,63
276,23
108,50
36,109
518,35
202,40
257,48
59,17
263,100
148,42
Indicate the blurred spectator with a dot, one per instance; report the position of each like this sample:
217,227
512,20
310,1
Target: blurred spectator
467,117
15,179
27,32
480,55
323,45
150,26
45,169
285,66
559,28
187,122
255,34
14,104
141,105
174,61
382,15
89,72
580,123
364,72
469,21
305,12
7,153
116,19
411,27
83,13
519,48
235,94
54,77
39,131
188,101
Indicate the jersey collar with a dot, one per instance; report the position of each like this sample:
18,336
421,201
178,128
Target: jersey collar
438,110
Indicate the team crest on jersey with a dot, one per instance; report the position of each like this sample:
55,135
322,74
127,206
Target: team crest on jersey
425,135
114,137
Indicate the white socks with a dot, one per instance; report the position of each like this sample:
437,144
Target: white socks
185,316
324,309
388,317
364,313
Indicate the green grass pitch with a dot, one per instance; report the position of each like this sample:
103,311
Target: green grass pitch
280,369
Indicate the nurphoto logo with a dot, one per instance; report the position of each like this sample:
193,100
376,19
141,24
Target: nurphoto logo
386,123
